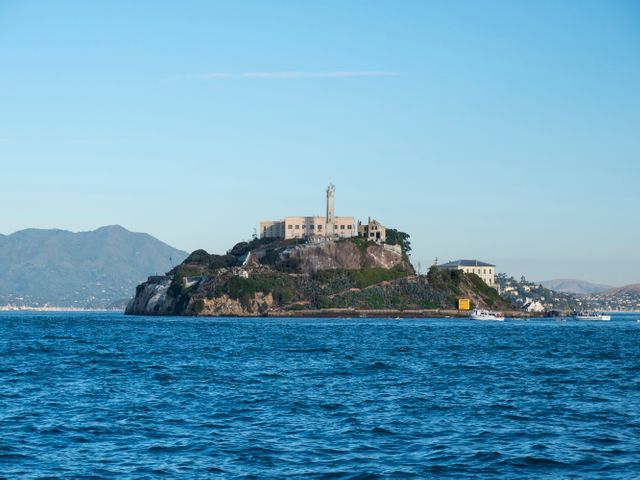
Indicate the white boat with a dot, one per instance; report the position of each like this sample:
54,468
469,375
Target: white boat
479,314
591,316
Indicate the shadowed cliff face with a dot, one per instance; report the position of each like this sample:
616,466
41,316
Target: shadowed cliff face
152,299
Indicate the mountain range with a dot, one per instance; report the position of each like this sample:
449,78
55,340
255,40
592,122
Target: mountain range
569,285
95,269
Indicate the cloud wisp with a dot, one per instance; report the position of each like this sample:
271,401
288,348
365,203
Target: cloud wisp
286,75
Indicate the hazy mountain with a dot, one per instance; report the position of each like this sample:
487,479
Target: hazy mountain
569,285
86,269
633,289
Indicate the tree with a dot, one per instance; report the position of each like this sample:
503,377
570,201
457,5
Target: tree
395,237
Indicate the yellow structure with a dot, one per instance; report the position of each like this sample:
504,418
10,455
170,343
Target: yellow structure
464,304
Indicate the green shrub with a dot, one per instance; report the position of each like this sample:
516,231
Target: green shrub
243,289
370,276
239,249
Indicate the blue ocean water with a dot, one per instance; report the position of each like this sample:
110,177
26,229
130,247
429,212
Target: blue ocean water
108,396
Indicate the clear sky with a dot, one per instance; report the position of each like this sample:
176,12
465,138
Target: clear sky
506,131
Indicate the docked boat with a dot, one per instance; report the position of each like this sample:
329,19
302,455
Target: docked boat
591,316
479,314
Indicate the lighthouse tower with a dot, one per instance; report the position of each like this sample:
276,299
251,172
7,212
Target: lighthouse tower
330,226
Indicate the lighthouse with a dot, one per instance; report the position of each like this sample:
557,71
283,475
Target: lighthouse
330,224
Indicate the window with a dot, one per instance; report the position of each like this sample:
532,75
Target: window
289,227
319,227
297,227
341,227
311,227
350,227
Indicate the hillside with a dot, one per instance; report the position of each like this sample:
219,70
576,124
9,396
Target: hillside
633,289
88,269
580,287
271,278
622,298
533,297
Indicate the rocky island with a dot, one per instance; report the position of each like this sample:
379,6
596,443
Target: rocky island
297,277
312,266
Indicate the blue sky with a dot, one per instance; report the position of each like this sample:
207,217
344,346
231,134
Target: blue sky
507,131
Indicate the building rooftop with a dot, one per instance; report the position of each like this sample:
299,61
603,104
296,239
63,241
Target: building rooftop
465,263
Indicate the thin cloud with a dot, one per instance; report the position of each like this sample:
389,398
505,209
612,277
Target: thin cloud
285,75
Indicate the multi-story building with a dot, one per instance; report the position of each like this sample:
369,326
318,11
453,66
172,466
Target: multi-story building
485,271
373,231
303,227
329,226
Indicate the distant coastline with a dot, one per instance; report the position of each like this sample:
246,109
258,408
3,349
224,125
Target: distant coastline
14,308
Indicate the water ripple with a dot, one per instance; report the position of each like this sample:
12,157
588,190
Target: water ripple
107,396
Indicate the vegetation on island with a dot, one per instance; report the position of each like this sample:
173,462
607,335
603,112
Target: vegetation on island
395,237
275,275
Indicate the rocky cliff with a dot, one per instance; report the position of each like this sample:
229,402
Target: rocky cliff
270,277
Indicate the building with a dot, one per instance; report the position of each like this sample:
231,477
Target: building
373,231
328,226
485,271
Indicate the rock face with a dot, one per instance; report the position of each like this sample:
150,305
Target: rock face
346,255
151,298
226,306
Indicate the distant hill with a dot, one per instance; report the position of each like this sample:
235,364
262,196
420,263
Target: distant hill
622,298
580,287
633,289
94,269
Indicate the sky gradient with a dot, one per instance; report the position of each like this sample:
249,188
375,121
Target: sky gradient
504,131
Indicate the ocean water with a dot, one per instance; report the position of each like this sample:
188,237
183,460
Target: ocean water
108,396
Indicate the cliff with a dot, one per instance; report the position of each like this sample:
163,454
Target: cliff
275,277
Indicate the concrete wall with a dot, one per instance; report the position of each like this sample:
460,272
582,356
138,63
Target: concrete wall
301,227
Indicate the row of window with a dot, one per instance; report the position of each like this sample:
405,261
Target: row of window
297,227
479,270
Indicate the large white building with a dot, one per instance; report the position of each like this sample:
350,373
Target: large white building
328,226
486,271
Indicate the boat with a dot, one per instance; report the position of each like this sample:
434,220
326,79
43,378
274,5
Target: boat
478,314
591,316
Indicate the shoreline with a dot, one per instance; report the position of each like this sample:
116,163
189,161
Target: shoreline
378,313
323,313
12,308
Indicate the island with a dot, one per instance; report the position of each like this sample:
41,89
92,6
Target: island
314,266
297,277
